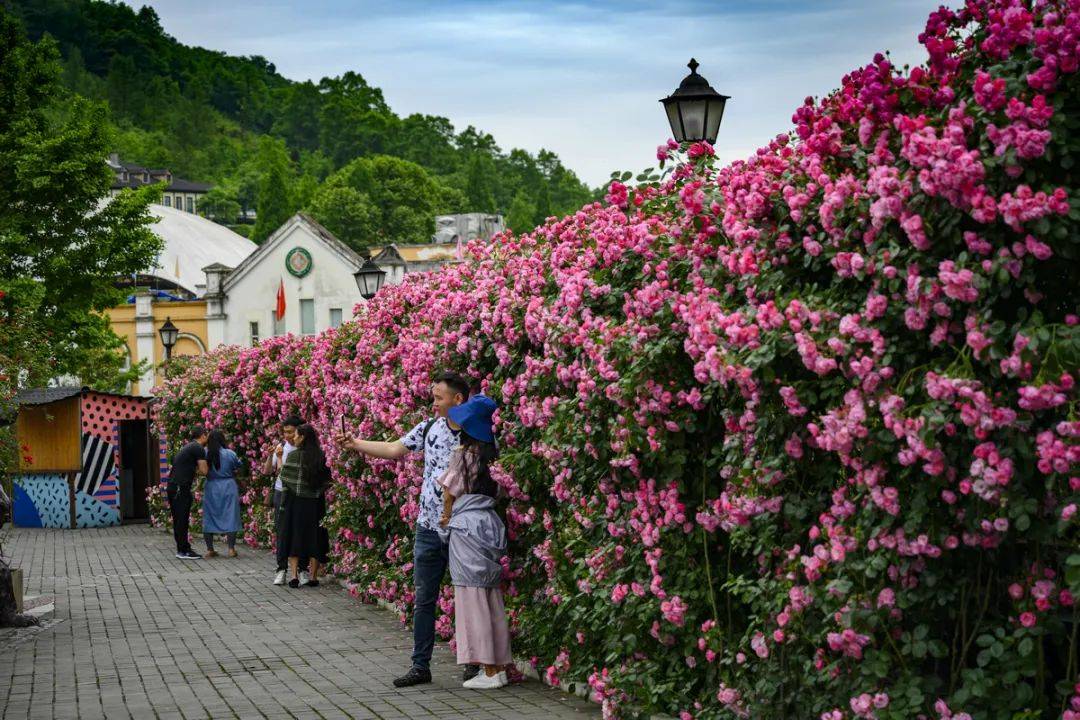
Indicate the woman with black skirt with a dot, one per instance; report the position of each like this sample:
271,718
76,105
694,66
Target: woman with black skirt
305,476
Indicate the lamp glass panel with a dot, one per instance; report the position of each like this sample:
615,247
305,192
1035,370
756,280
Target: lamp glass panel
716,114
693,117
672,109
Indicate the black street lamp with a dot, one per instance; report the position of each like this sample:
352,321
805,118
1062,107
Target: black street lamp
369,278
169,333
695,110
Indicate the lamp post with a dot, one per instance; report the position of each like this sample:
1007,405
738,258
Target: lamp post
695,110
369,278
169,333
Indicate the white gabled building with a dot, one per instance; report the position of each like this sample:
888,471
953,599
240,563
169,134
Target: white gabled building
218,288
314,268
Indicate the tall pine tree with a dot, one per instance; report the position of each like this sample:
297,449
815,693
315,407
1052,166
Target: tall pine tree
480,183
274,204
521,216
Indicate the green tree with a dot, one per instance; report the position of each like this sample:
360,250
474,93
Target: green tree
274,205
298,117
355,119
122,85
520,218
61,246
346,212
427,140
404,198
480,183
543,205
220,204
77,79
203,115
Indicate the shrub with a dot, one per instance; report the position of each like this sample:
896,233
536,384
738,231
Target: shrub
795,437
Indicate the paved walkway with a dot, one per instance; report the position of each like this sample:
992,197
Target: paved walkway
139,634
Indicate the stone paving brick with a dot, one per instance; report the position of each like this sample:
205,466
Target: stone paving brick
139,634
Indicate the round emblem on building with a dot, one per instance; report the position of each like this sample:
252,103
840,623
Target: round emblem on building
298,262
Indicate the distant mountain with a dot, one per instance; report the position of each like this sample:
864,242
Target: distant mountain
234,122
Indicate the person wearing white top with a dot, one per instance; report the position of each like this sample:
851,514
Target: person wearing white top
273,465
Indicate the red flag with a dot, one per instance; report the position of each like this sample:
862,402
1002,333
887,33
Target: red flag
279,311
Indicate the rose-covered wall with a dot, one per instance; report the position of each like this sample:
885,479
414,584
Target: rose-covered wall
791,438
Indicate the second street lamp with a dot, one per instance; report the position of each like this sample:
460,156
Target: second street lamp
369,278
695,110
169,333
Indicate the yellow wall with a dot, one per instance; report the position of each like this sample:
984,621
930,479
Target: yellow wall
122,320
188,316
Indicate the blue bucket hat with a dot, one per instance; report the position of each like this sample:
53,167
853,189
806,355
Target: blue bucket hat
474,417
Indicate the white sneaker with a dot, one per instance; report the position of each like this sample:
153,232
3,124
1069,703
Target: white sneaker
304,577
483,681
279,579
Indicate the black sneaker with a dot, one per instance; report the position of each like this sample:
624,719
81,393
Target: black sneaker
311,583
189,555
294,583
415,676
470,672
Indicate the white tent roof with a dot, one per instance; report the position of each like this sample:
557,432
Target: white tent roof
192,243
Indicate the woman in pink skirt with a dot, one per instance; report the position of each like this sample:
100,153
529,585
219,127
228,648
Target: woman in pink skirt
477,540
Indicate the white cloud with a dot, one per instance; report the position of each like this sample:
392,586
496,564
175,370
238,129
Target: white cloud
580,79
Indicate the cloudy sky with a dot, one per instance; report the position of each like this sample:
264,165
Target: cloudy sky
579,78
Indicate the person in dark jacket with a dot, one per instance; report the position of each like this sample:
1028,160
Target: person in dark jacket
305,476
189,462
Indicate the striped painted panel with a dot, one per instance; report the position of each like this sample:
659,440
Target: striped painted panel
98,464
163,459
109,492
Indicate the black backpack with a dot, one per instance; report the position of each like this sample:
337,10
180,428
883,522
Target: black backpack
427,427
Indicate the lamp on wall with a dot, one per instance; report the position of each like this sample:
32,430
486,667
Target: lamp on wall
169,334
369,278
695,110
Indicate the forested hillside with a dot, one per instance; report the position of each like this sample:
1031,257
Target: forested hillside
270,144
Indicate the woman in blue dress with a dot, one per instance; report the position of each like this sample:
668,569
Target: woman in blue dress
221,497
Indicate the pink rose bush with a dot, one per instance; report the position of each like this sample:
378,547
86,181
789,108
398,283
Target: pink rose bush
795,437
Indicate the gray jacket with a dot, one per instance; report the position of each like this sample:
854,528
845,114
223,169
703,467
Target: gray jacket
477,540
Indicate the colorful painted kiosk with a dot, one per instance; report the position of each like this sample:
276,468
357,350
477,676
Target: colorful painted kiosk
87,458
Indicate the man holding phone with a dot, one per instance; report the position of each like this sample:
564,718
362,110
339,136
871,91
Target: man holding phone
436,438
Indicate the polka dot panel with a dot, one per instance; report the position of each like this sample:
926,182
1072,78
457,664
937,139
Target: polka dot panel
102,413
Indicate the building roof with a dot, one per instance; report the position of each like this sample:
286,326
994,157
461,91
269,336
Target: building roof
47,395
416,253
192,243
177,185
157,175
346,253
386,256
44,396
181,185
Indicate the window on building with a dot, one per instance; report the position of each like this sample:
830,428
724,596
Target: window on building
254,326
168,201
307,317
335,317
190,204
